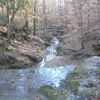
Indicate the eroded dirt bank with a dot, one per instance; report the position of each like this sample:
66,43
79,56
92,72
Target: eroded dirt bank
21,52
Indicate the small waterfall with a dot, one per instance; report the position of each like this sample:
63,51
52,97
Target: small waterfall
50,52
55,74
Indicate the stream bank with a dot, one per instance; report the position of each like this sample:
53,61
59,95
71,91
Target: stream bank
21,52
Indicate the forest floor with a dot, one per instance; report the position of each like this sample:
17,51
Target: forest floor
20,52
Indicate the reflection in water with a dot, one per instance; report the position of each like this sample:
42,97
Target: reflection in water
23,84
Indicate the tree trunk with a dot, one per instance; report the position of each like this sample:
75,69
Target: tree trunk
98,9
26,27
45,18
34,19
11,25
88,15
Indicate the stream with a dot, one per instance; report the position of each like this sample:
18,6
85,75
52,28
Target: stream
23,84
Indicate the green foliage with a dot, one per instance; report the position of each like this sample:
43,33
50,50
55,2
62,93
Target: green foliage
13,4
26,6
3,2
12,7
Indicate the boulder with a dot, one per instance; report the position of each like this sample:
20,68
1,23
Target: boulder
60,61
72,41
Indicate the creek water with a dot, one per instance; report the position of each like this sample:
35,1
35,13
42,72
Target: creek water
22,84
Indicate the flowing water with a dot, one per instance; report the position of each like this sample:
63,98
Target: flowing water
22,84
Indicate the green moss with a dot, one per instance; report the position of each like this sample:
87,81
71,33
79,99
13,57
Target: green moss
76,72
72,85
72,80
78,68
49,92
52,93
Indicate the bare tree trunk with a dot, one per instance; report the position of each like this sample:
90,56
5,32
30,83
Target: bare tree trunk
8,20
45,18
88,4
34,19
26,26
66,14
80,23
74,6
11,25
98,9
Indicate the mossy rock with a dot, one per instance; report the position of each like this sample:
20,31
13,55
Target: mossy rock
52,93
78,69
35,59
73,79
77,72
72,85
49,92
